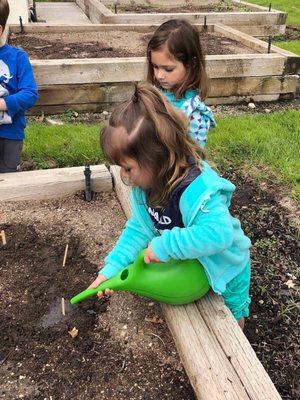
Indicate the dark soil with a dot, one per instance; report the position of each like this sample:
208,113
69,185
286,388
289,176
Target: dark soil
185,8
44,49
58,46
273,326
117,354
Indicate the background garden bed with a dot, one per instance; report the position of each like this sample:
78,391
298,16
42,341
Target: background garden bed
129,43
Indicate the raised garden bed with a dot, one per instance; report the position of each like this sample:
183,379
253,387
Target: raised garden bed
123,348
47,46
252,19
94,84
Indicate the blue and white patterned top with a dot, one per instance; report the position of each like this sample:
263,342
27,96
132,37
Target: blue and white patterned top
200,117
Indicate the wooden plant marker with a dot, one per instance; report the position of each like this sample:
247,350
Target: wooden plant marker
63,307
3,238
65,255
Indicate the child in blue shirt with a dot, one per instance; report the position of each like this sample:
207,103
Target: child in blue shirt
176,66
18,92
179,203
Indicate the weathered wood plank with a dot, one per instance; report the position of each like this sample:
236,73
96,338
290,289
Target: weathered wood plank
51,183
207,367
82,94
231,19
262,30
237,348
42,27
114,93
292,64
91,70
79,71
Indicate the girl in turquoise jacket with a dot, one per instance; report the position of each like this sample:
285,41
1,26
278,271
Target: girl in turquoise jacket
179,204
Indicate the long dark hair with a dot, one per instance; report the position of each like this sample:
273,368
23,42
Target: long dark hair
148,129
183,43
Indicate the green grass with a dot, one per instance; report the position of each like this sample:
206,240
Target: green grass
293,46
62,146
292,7
267,146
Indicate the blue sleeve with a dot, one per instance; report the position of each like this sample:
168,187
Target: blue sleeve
130,243
201,119
27,93
199,125
210,233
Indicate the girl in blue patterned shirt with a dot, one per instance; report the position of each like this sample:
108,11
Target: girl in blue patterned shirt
176,65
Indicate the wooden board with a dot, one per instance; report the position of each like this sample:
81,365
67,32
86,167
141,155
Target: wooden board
216,355
292,63
93,70
114,93
51,183
231,19
43,27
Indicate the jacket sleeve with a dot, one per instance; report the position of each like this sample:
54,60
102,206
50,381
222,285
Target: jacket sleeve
132,240
210,233
27,93
201,120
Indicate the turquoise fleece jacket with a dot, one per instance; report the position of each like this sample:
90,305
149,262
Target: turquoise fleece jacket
210,233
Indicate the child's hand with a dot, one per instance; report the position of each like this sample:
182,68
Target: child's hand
150,256
97,281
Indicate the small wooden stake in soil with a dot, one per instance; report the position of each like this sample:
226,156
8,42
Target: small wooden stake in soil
3,238
63,307
65,256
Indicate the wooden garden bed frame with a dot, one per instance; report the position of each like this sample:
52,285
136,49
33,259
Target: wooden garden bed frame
216,355
261,22
96,84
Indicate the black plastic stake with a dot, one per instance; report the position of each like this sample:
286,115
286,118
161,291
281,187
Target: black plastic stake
269,44
205,23
21,25
88,191
270,6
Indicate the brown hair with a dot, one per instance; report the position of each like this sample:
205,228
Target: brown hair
183,43
149,130
4,13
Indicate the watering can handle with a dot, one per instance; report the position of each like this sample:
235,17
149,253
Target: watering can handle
139,261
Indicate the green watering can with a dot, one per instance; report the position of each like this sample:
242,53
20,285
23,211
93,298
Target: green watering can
173,282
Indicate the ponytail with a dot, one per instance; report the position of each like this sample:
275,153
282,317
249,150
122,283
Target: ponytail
150,130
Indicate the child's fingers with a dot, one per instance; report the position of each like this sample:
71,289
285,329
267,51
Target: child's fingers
107,292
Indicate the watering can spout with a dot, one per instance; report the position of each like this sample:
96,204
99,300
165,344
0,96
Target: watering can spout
173,282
